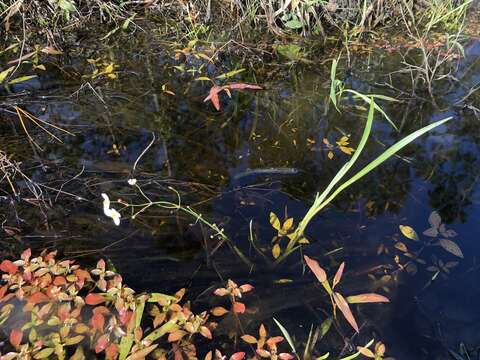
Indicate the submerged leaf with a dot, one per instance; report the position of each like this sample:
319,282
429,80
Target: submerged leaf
316,269
274,221
451,247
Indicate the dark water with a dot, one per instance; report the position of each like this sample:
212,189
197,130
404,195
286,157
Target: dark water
263,152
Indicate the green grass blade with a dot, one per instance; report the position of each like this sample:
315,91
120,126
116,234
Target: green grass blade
384,156
340,174
367,99
286,335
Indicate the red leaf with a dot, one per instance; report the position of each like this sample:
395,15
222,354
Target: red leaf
101,344
213,96
238,307
125,317
98,321
316,269
367,298
286,356
242,86
59,280
94,299
8,267
345,309
112,351
38,298
338,275
16,337
237,356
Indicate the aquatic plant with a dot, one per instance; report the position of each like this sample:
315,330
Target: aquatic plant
329,194
53,308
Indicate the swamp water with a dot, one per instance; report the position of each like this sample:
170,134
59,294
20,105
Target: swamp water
263,152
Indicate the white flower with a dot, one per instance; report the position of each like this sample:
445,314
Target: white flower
111,213
132,182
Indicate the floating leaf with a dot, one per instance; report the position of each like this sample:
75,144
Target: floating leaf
451,247
408,232
367,298
345,309
366,352
237,356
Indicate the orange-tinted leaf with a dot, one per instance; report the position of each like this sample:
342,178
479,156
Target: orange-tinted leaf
262,331
8,267
3,291
219,311
213,96
242,86
205,332
246,288
176,335
94,299
345,309
286,356
263,353
38,298
102,343
112,351
367,298
237,356
338,275
59,280
98,321
366,352
238,307
249,339
125,317
274,341
221,292
316,269
16,337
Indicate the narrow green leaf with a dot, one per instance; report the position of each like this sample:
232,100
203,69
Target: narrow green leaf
286,335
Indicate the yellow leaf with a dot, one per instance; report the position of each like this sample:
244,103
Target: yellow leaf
401,246
5,73
276,251
109,68
274,221
408,232
303,241
287,225
347,150
330,155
